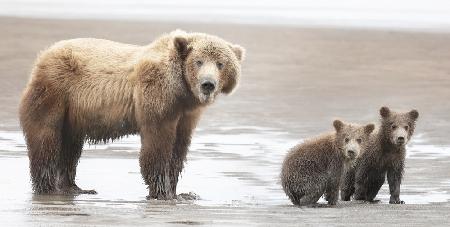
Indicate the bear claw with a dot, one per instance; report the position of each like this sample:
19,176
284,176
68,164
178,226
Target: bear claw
396,202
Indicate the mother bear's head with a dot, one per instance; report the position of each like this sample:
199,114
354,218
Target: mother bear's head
211,64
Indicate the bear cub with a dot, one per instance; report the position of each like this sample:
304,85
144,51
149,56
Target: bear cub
315,167
385,156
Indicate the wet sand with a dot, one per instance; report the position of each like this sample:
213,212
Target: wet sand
295,82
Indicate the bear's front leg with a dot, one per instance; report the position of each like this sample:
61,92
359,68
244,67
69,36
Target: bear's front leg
374,182
185,127
348,184
394,176
361,178
157,142
332,190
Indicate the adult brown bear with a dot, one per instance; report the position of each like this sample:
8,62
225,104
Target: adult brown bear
99,90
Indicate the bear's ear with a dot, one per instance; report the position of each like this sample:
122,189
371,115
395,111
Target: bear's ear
181,46
385,112
338,125
369,128
413,114
238,51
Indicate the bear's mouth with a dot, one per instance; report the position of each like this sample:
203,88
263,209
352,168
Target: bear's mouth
206,98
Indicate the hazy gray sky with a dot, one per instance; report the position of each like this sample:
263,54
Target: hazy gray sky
374,13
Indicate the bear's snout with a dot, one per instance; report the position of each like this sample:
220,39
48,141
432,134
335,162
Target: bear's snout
352,149
351,153
400,137
208,86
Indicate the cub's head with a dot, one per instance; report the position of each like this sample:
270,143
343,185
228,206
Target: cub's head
398,128
351,138
211,65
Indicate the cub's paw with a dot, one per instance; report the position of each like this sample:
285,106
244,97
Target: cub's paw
359,197
374,201
396,201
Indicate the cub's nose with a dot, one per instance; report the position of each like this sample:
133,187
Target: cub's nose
401,139
208,86
351,153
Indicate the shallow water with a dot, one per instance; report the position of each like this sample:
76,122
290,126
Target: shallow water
236,176
239,169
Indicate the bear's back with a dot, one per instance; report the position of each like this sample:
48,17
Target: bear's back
311,155
96,57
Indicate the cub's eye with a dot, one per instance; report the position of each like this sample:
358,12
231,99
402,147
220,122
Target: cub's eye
406,128
394,126
347,140
359,140
219,65
199,63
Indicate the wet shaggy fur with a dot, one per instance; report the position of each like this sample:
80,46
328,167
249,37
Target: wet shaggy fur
315,167
97,90
385,156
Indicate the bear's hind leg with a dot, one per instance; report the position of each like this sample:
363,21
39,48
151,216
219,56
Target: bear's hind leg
41,118
307,195
43,151
71,152
310,198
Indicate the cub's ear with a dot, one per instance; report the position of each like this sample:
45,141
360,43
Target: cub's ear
238,51
369,128
385,112
181,46
414,114
338,125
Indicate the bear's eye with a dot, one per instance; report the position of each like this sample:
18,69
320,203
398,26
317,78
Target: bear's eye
406,128
394,126
199,63
219,65
359,140
346,140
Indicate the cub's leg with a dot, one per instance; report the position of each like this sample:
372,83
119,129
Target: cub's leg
361,181
308,192
311,196
332,190
348,184
374,183
394,176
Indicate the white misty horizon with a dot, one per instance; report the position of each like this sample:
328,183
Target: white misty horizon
426,14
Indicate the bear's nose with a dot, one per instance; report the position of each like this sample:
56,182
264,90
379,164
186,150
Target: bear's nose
351,152
208,86
401,139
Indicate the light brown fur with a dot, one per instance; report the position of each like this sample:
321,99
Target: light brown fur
99,90
315,167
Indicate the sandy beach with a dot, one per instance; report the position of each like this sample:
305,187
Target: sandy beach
295,82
